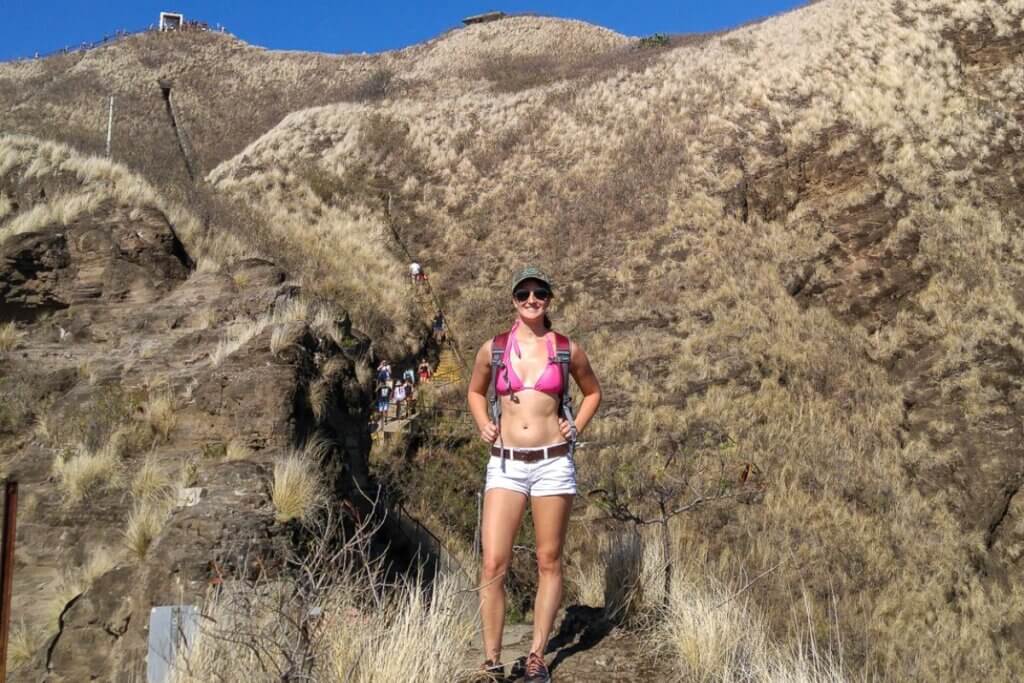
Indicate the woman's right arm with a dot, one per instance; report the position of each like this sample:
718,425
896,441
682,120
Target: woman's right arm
479,383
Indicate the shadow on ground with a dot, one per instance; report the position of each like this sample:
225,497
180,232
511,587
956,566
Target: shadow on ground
582,628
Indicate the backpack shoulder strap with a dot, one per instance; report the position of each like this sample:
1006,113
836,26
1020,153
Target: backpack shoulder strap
563,354
498,345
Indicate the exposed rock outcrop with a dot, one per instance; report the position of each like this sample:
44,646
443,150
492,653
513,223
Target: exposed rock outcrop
112,316
102,257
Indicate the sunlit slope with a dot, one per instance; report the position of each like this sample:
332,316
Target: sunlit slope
227,92
803,236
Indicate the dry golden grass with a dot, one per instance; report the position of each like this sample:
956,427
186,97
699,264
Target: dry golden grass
85,472
88,183
10,336
154,479
288,321
145,522
237,450
159,413
25,641
298,490
238,336
87,371
155,486
414,635
712,634
319,391
407,635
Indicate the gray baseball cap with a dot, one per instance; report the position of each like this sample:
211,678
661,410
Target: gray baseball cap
530,273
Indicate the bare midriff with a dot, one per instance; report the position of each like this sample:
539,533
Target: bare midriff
529,419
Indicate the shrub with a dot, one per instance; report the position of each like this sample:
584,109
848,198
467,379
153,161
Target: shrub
653,40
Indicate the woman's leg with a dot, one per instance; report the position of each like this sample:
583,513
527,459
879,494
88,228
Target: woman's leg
503,512
550,521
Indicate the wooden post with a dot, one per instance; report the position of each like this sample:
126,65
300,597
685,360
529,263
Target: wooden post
7,570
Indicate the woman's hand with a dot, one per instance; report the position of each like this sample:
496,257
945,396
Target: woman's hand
565,428
489,432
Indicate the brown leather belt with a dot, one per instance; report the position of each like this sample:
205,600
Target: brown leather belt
531,454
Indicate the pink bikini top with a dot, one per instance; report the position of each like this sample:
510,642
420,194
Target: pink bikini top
549,382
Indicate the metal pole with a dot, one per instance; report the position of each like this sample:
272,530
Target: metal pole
479,518
110,123
7,570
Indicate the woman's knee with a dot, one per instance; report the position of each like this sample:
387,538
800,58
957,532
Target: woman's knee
493,566
549,562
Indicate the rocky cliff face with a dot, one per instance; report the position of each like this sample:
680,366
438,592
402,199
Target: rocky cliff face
111,316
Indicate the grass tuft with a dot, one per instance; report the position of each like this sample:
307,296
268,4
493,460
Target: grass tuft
10,336
146,521
85,472
298,490
25,641
159,413
237,450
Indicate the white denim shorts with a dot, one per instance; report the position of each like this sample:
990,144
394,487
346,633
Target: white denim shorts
551,477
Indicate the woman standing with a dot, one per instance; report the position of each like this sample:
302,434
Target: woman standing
531,439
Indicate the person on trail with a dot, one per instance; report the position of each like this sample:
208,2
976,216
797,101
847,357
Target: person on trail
439,328
410,398
529,427
415,272
424,372
384,371
383,401
409,376
398,397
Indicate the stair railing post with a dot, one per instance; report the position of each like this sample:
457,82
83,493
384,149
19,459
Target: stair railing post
7,570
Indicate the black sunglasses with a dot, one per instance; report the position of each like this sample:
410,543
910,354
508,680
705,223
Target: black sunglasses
540,293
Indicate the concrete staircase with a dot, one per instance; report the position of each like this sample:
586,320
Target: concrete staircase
448,370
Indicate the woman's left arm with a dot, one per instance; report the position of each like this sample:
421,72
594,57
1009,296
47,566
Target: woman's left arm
579,367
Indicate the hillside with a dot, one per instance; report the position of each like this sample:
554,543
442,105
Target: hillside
793,252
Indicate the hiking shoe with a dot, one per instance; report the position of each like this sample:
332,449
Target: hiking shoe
492,671
536,669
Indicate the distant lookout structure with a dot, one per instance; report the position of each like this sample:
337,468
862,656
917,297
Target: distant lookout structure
484,18
171,21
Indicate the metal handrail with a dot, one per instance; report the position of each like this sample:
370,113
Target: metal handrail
440,551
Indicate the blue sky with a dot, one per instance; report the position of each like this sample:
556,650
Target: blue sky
31,26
